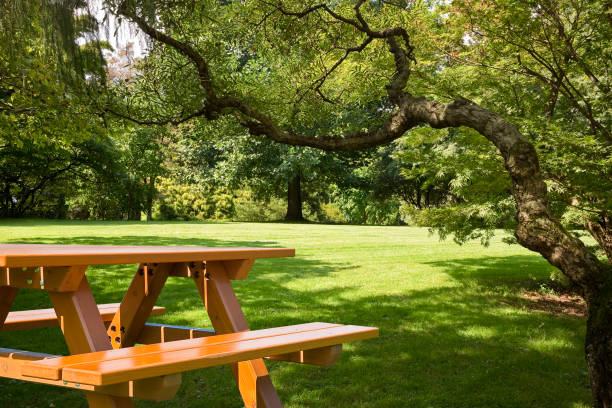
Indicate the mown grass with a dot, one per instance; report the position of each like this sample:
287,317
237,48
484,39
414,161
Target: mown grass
453,330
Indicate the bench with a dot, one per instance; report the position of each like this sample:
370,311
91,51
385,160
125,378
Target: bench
35,319
142,362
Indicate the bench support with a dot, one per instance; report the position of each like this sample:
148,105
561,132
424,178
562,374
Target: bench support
138,303
226,316
7,296
57,278
84,332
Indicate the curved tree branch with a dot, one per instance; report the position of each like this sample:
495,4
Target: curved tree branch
537,229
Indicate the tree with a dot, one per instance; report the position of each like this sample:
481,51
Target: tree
48,123
316,61
297,174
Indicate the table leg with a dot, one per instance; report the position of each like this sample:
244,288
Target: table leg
138,303
84,332
7,296
252,377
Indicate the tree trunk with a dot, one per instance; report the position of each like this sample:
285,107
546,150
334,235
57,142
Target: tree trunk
598,345
601,230
149,201
133,205
294,200
61,207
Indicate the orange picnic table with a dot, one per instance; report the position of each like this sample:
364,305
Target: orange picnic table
104,361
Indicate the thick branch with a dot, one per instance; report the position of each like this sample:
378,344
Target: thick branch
160,122
536,230
182,47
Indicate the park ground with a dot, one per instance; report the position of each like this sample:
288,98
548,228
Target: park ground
460,326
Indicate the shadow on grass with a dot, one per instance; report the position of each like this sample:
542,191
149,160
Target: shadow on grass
513,272
439,347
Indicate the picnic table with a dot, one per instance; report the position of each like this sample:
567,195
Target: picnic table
106,363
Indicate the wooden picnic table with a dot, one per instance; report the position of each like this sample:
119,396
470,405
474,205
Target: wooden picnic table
104,362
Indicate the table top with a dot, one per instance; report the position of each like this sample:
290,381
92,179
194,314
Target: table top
20,255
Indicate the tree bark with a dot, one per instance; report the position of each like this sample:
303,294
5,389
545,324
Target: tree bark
601,230
598,345
149,201
294,200
133,206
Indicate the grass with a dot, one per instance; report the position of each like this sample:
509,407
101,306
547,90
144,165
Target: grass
453,330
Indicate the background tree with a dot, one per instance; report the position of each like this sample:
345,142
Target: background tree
48,123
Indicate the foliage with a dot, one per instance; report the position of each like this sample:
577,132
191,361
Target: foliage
48,122
472,191
249,208
543,65
192,202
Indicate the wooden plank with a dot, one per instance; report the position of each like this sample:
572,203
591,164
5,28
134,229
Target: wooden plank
137,304
84,332
150,389
161,388
188,269
7,296
235,269
28,255
169,362
34,319
324,356
239,269
56,279
51,369
159,333
252,379
162,333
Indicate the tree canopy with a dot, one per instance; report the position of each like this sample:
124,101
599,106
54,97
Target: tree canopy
477,114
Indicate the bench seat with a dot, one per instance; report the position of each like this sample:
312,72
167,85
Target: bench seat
34,319
133,363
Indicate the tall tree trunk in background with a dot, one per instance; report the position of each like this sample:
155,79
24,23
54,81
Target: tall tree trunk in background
294,200
149,200
133,204
60,208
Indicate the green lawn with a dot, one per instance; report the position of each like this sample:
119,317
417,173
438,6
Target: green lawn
453,330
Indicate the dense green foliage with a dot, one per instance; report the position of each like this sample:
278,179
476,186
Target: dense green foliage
450,180
544,65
